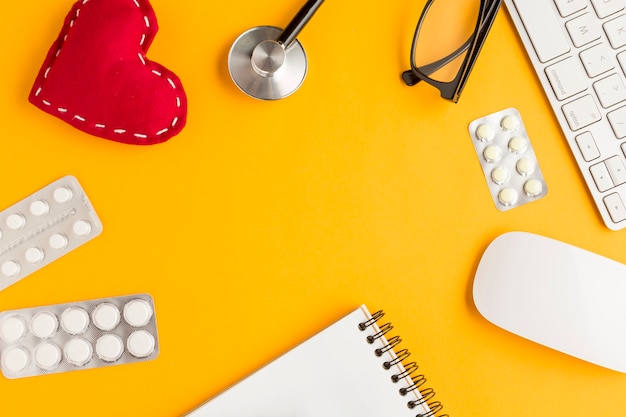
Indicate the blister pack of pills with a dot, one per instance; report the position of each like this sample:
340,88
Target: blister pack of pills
80,335
507,159
43,227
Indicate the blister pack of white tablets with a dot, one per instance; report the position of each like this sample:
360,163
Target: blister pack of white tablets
43,227
80,335
507,159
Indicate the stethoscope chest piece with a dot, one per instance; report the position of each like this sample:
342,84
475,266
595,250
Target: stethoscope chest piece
263,68
268,63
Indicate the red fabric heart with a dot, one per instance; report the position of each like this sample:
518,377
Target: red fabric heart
96,76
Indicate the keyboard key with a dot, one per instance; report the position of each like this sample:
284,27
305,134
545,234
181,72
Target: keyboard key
617,170
597,60
581,112
610,90
583,30
569,7
606,8
617,120
601,176
543,28
615,207
567,78
588,147
616,31
621,58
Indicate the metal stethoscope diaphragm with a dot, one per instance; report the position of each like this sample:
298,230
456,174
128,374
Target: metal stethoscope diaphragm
268,63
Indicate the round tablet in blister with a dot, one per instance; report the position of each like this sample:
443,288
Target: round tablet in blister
109,347
509,123
34,255
78,351
16,221
106,316
137,312
39,208
47,356
12,329
58,241
485,132
500,175
492,153
62,195
44,324
81,228
10,268
525,166
140,344
518,144
15,359
507,196
75,320
533,187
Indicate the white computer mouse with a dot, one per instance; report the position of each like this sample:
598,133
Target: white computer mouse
555,294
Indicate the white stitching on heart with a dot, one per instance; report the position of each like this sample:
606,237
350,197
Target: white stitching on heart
144,62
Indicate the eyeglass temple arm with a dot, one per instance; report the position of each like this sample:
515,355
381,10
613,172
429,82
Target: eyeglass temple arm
411,79
480,40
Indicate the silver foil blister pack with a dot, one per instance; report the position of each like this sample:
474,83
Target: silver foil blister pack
507,159
43,227
79,335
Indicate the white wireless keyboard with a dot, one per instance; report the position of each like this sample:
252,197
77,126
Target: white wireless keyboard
578,49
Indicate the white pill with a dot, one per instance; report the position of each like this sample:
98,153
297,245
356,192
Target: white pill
78,351
16,221
484,132
533,187
500,175
58,241
15,360
140,344
0,234
518,144
47,356
75,320
106,316
62,195
507,196
137,312
525,166
44,324
12,329
34,255
492,153
10,268
81,228
509,123
39,208
109,347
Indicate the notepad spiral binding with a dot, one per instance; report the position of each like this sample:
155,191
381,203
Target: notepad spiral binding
417,381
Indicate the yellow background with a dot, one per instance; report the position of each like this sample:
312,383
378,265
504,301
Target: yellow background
263,222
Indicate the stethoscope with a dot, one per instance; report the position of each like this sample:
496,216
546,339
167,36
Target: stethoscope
268,63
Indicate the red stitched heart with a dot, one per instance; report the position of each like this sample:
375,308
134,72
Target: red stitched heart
96,76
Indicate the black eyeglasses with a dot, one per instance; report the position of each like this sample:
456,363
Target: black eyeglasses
447,40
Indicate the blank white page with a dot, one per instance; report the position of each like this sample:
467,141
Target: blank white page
333,374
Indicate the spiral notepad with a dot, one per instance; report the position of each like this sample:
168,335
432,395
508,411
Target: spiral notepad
350,369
